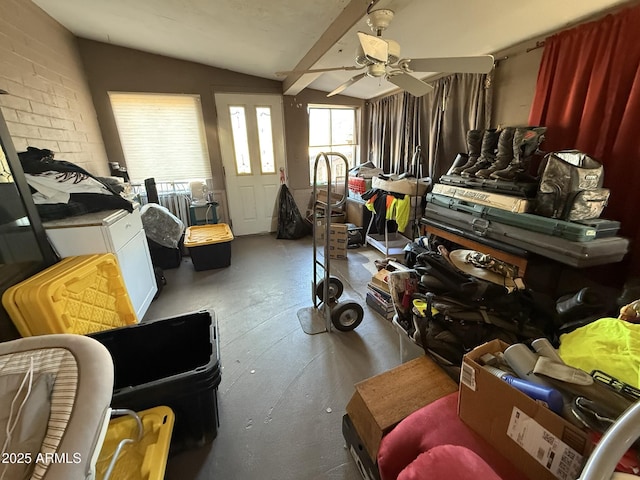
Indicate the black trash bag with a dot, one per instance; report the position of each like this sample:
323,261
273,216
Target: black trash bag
291,224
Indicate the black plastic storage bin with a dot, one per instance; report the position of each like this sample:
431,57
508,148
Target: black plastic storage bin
165,257
209,245
172,362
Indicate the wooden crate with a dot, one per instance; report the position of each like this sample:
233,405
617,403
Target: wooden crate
381,402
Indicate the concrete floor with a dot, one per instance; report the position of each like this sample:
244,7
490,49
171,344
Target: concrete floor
283,392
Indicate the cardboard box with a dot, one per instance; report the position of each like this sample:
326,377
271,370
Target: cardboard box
504,202
381,402
320,227
338,240
381,279
356,213
541,443
407,186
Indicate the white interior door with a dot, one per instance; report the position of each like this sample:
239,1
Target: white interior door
251,132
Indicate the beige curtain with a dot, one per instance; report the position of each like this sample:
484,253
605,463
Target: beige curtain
437,122
394,131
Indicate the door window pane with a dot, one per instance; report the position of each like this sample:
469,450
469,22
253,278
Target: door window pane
240,141
265,139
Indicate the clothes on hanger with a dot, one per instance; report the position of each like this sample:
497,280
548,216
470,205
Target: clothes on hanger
388,207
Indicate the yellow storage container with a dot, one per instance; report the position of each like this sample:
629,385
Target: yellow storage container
12,298
143,458
79,295
209,245
27,303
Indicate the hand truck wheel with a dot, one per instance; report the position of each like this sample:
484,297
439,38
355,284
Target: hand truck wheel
335,289
347,316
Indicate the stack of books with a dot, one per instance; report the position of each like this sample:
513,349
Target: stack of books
379,296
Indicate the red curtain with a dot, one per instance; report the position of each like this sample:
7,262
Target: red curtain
588,97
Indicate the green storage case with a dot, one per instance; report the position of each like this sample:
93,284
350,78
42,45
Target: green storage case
574,232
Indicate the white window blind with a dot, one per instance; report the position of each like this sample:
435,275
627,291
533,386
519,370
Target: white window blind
162,136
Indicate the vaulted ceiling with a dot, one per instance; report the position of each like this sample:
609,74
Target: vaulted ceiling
262,38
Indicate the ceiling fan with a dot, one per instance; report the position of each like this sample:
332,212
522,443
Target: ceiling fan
380,57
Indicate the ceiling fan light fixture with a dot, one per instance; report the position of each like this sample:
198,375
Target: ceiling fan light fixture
377,70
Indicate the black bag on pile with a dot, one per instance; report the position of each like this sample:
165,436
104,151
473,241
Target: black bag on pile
571,186
465,311
454,282
291,224
39,164
451,328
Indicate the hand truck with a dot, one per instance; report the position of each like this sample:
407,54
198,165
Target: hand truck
327,289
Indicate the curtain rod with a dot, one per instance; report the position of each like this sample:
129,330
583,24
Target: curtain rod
538,45
515,51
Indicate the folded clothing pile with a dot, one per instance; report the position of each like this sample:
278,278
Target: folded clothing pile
62,189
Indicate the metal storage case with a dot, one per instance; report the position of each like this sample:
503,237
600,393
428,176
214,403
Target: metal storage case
575,232
599,251
209,245
173,362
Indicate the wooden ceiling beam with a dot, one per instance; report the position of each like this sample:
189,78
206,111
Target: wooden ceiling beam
352,14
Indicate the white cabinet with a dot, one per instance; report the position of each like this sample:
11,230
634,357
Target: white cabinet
118,232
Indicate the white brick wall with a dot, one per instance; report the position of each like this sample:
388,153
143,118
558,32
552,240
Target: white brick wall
49,103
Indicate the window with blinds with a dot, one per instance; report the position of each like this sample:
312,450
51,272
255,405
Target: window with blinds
162,136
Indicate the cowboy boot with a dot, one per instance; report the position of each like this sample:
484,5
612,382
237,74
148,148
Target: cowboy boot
504,156
474,143
526,141
487,153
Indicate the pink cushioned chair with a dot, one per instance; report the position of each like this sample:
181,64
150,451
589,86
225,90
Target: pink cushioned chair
433,443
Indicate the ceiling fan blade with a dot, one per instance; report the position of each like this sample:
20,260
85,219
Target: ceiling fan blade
478,64
374,48
347,84
318,70
411,84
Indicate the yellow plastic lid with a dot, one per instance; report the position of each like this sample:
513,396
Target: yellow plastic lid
81,295
88,299
200,235
12,299
27,298
145,458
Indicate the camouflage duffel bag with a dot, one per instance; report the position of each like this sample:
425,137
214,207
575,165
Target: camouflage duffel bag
571,186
